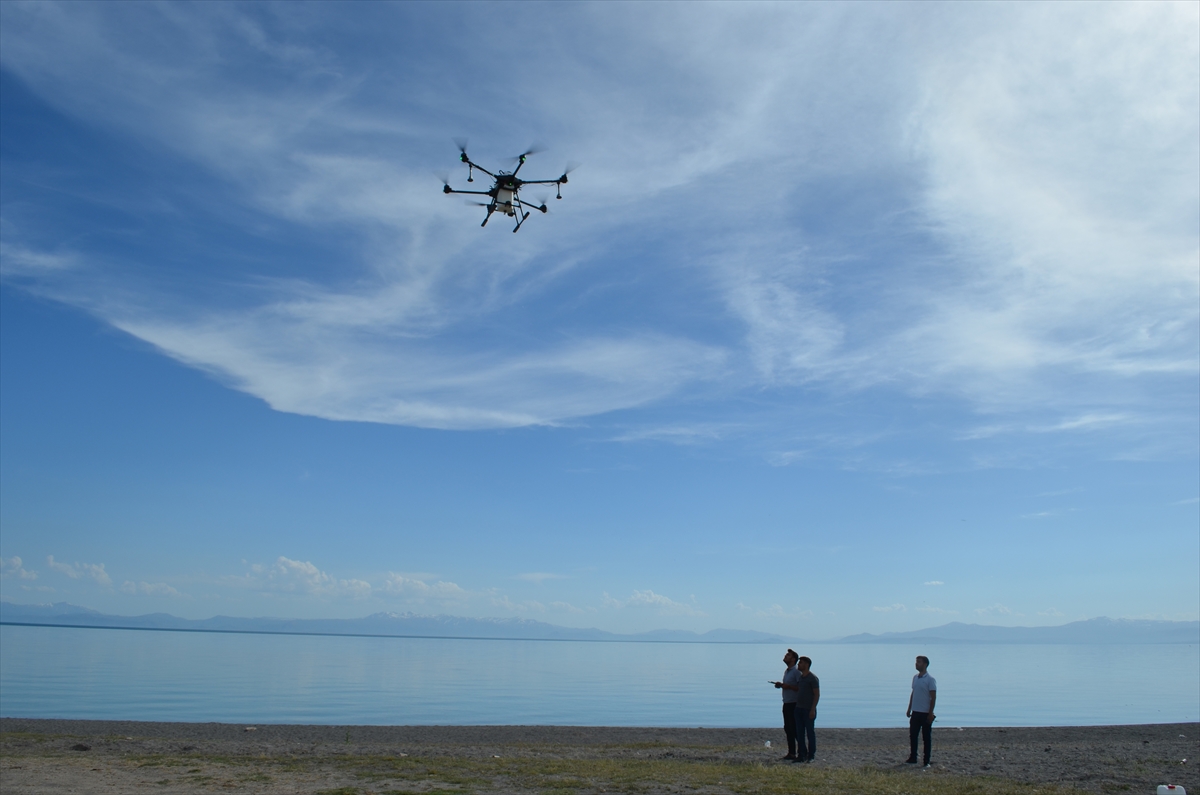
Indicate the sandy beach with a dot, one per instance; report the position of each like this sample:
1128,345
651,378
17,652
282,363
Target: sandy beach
71,756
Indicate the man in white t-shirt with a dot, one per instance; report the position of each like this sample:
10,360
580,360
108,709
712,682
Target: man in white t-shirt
920,710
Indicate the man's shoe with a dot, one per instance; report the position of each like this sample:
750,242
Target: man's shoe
811,758
927,766
787,758
912,760
799,760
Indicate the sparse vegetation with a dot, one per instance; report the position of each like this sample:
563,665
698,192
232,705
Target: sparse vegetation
547,768
386,774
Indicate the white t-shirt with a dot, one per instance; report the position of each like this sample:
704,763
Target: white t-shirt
791,677
923,685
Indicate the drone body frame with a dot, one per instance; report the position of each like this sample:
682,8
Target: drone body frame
505,193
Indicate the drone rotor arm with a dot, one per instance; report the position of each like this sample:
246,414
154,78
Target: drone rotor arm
558,182
478,167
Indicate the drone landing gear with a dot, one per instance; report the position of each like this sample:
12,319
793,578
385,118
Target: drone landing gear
487,218
523,217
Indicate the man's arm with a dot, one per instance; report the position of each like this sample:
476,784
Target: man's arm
908,712
812,713
932,701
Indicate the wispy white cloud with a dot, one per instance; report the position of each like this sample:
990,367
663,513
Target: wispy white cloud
14,567
76,571
299,577
649,600
567,606
303,368
778,611
785,458
1051,612
149,588
996,610
937,610
1086,422
416,587
1055,277
529,605
303,576
21,261
674,434
540,577
934,582
892,608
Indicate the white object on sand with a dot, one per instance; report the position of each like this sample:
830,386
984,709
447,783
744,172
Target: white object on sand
767,744
1171,789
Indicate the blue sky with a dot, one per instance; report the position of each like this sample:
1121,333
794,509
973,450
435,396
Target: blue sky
855,317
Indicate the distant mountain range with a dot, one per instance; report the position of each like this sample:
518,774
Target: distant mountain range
383,624
1096,630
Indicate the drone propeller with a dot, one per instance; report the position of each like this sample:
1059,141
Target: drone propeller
532,150
471,203
571,166
445,178
461,143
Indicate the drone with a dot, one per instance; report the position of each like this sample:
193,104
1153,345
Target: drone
505,192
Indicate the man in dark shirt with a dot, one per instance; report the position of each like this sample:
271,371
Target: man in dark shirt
806,711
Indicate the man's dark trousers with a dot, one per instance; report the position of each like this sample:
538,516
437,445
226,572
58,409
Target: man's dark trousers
789,726
919,724
805,731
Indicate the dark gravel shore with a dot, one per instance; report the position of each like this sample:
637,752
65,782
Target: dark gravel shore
1098,759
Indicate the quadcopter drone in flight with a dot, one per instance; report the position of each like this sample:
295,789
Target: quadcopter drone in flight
505,194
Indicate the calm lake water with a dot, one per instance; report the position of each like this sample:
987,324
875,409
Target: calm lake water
52,672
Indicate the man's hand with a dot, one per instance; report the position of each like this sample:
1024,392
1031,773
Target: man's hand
908,713
812,714
929,719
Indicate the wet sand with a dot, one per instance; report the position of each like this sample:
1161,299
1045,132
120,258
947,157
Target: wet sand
60,756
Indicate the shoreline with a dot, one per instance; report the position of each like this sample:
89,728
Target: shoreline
44,756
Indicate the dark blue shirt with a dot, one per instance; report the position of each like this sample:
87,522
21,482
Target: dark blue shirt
807,684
